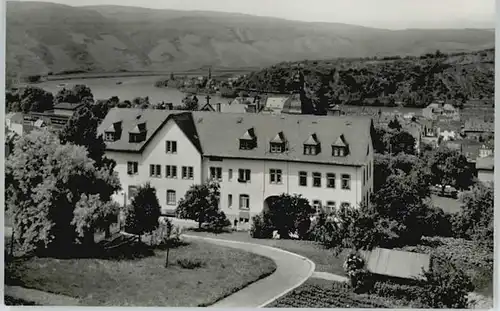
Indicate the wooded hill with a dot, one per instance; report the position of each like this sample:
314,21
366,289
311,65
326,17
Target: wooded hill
408,81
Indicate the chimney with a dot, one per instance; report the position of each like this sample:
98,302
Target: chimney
218,107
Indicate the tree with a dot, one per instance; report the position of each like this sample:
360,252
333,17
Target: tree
400,142
141,102
35,99
449,167
378,140
200,203
142,215
57,195
190,104
394,124
78,94
288,215
476,216
400,202
82,130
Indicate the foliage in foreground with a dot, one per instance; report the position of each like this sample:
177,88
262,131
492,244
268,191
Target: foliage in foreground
56,194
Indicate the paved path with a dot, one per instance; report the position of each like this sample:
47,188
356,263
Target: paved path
38,297
291,272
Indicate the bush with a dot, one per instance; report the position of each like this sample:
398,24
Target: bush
190,263
398,291
359,277
218,222
447,286
438,223
260,228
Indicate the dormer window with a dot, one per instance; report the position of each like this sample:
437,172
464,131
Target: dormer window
248,141
340,147
138,133
113,132
312,145
278,143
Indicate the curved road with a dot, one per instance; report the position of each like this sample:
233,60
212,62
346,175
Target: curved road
292,270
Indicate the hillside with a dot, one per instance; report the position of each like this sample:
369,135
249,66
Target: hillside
46,37
413,81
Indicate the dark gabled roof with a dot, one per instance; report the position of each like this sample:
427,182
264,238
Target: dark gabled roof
68,106
340,142
312,140
395,263
155,119
217,134
249,134
279,138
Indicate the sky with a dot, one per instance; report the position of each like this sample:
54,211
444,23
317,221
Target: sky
390,14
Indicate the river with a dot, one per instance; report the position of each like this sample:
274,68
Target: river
130,88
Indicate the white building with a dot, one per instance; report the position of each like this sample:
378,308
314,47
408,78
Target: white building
328,160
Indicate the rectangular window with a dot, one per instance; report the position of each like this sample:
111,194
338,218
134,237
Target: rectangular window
317,180
170,146
154,170
244,201
243,175
275,176
230,174
171,197
330,206
230,200
310,150
109,137
132,192
330,180
303,179
276,148
187,172
317,206
335,152
216,173
171,171
346,181
132,168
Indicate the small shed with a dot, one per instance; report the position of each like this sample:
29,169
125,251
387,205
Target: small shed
396,264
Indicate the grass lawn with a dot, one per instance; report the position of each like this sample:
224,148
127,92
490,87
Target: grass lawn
145,281
448,205
315,293
323,258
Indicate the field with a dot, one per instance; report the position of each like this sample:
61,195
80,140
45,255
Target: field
326,294
323,258
145,282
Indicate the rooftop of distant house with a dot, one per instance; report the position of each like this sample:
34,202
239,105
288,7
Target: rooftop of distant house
485,163
218,134
478,125
68,106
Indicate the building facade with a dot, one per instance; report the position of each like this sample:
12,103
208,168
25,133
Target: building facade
254,157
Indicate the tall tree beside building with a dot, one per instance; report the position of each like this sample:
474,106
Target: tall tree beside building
82,130
200,203
142,215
